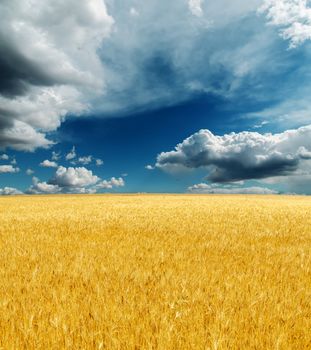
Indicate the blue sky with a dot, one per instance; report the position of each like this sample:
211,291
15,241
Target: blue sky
134,96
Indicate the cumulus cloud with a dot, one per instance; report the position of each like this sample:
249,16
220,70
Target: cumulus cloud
73,180
8,169
211,189
38,187
292,16
66,180
9,191
49,66
4,157
240,156
74,177
149,167
48,164
113,182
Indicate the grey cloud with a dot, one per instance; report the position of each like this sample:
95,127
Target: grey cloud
235,169
120,56
241,156
154,57
17,71
210,189
37,91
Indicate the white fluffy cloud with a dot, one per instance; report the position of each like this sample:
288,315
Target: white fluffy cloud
109,184
48,164
8,169
48,51
74,180
211,189
244,155
74,177
38,187
292,16
9,191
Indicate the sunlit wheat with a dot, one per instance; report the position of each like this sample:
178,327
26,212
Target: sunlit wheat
155,272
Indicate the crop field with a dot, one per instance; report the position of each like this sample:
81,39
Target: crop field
155,272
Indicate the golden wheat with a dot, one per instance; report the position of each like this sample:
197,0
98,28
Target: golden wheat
155,272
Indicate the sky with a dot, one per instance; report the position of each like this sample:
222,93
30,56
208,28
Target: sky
134,96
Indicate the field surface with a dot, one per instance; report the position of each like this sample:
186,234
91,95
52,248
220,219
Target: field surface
155,272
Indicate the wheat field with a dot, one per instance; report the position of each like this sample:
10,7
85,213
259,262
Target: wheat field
155,272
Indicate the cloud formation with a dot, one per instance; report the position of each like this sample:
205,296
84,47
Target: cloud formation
72,154
73,177
48,164
9,191
73,158
109,184
56,156
211,189
195,6
29,172
73,180
48,64
241,156
292,16
8,169
38,187
106,71
84,160
99,162
4,157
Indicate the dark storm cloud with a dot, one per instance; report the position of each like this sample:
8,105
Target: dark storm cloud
234,170
48,66
17,72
